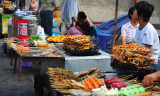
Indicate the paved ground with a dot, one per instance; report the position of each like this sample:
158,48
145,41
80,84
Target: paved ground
9,84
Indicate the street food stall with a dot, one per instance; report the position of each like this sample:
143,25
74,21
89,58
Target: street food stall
64,68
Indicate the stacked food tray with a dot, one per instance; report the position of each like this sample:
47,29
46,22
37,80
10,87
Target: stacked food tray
80,45
132,59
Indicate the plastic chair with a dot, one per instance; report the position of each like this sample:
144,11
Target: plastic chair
55,25
104,38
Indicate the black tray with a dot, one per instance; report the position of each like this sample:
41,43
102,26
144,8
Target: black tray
53,42
126,71
89,52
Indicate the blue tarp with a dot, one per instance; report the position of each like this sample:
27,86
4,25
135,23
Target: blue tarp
108,27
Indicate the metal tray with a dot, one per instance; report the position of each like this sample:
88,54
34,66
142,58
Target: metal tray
35,48
40,57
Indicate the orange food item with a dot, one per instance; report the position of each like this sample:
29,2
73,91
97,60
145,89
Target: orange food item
21,48
143,94
11,38
42,45
92,83
99,81
96,83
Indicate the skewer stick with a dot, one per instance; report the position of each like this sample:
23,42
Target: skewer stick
131,81
124,76
156,93
149,87
136,84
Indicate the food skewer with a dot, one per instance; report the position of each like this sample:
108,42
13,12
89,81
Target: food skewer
149,87
123,76
127,77
130,81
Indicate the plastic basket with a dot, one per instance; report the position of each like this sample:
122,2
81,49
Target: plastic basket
26,64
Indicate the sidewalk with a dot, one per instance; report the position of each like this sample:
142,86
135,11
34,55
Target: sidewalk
9,84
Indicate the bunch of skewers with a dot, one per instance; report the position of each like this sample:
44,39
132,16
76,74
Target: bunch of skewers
133,56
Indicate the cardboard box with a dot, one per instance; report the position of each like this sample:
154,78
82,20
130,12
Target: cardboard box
57,14
57,20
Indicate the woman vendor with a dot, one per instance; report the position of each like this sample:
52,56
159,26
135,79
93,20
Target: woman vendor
128,30
146,34
82,25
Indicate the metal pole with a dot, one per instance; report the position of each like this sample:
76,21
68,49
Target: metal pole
115,22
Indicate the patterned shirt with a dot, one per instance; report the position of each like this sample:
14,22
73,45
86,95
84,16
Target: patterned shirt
128,30
49,4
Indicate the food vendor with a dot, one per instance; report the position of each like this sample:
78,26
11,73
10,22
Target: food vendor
128,30
149,79
33,5
82,25
146,34
47,7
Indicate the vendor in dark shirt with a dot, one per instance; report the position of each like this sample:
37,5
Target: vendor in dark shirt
82,23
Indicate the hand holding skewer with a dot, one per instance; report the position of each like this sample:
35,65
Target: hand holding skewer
149,79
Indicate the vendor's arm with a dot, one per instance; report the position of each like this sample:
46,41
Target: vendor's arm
123,39
123,34
55,9
39,6
56,4
33,5
149,79
80,29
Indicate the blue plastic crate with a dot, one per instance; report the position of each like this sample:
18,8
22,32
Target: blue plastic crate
26,64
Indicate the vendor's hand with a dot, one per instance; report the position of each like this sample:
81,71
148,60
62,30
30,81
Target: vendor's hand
149,79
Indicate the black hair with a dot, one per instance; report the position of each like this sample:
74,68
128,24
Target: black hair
131,11
82,15
145,9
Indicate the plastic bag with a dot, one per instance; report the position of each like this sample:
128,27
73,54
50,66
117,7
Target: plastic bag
40,31
73,31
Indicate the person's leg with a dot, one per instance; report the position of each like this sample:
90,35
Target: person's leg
42,18
48,23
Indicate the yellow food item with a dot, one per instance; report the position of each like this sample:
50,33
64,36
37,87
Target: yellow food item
58,38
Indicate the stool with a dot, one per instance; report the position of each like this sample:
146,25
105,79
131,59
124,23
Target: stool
55,25
104,38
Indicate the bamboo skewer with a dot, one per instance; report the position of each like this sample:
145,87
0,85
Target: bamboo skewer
149,87
156,93
123,76
131,81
